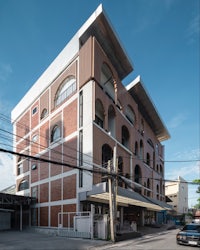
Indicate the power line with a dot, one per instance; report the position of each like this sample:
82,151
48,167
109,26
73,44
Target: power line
22,125
104,170
7,119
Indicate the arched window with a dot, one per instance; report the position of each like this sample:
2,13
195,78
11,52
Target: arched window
55,133
35,138
125,136
107,81
66,89
107,154
44,113
138,175
99,113
130,114
23,185
138,178
19,166
111,120
148,160
136,148
149,187
157,190
141,150
161,170
150,143
142,127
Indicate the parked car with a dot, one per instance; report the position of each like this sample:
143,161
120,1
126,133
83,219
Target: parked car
189,235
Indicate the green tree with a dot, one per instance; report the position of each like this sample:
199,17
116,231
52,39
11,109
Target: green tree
197,181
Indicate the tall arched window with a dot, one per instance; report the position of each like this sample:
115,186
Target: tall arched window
161,169
141,150
148,160
138,174
130,114
107,154
111,120
23,185
158,191
136,148
55,133
65,90
99,113
107,81
125,136
138,179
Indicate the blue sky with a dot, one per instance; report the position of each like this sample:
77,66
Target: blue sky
161,38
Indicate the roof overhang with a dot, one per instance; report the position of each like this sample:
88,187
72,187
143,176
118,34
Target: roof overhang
147,108
161,203
99,26
9,201
124,197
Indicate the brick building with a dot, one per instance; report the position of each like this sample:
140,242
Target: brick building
75,114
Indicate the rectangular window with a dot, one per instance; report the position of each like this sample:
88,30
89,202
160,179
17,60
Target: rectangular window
81,109
34,110
20,168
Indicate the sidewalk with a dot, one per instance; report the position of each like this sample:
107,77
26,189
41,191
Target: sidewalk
151,229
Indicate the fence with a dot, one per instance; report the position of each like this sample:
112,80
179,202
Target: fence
75,224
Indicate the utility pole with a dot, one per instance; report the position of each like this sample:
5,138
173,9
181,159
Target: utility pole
112,185
112,230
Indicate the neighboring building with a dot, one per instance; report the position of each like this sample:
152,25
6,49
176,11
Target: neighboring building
9,190
177,191
75,114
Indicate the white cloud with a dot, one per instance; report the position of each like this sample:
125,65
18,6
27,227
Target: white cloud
193,29
192,154
5,71
176,121
7,177
189,171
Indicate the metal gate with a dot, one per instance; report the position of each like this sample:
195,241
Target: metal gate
75,224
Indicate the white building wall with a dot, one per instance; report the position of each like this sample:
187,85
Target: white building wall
87,135
178,193
182,206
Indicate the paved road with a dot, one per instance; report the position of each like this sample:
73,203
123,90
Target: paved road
165,240
29,240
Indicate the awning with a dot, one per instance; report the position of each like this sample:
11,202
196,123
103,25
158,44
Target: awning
162,204
124,197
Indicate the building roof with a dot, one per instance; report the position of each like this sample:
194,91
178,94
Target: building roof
8,201
124,197
97,25
147,109
9,190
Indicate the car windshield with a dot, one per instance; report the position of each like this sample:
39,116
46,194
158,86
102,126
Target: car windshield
192,227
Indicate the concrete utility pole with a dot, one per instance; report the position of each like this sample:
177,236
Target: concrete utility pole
112,185
112,231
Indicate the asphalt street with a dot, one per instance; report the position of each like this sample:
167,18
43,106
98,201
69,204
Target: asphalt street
30,240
